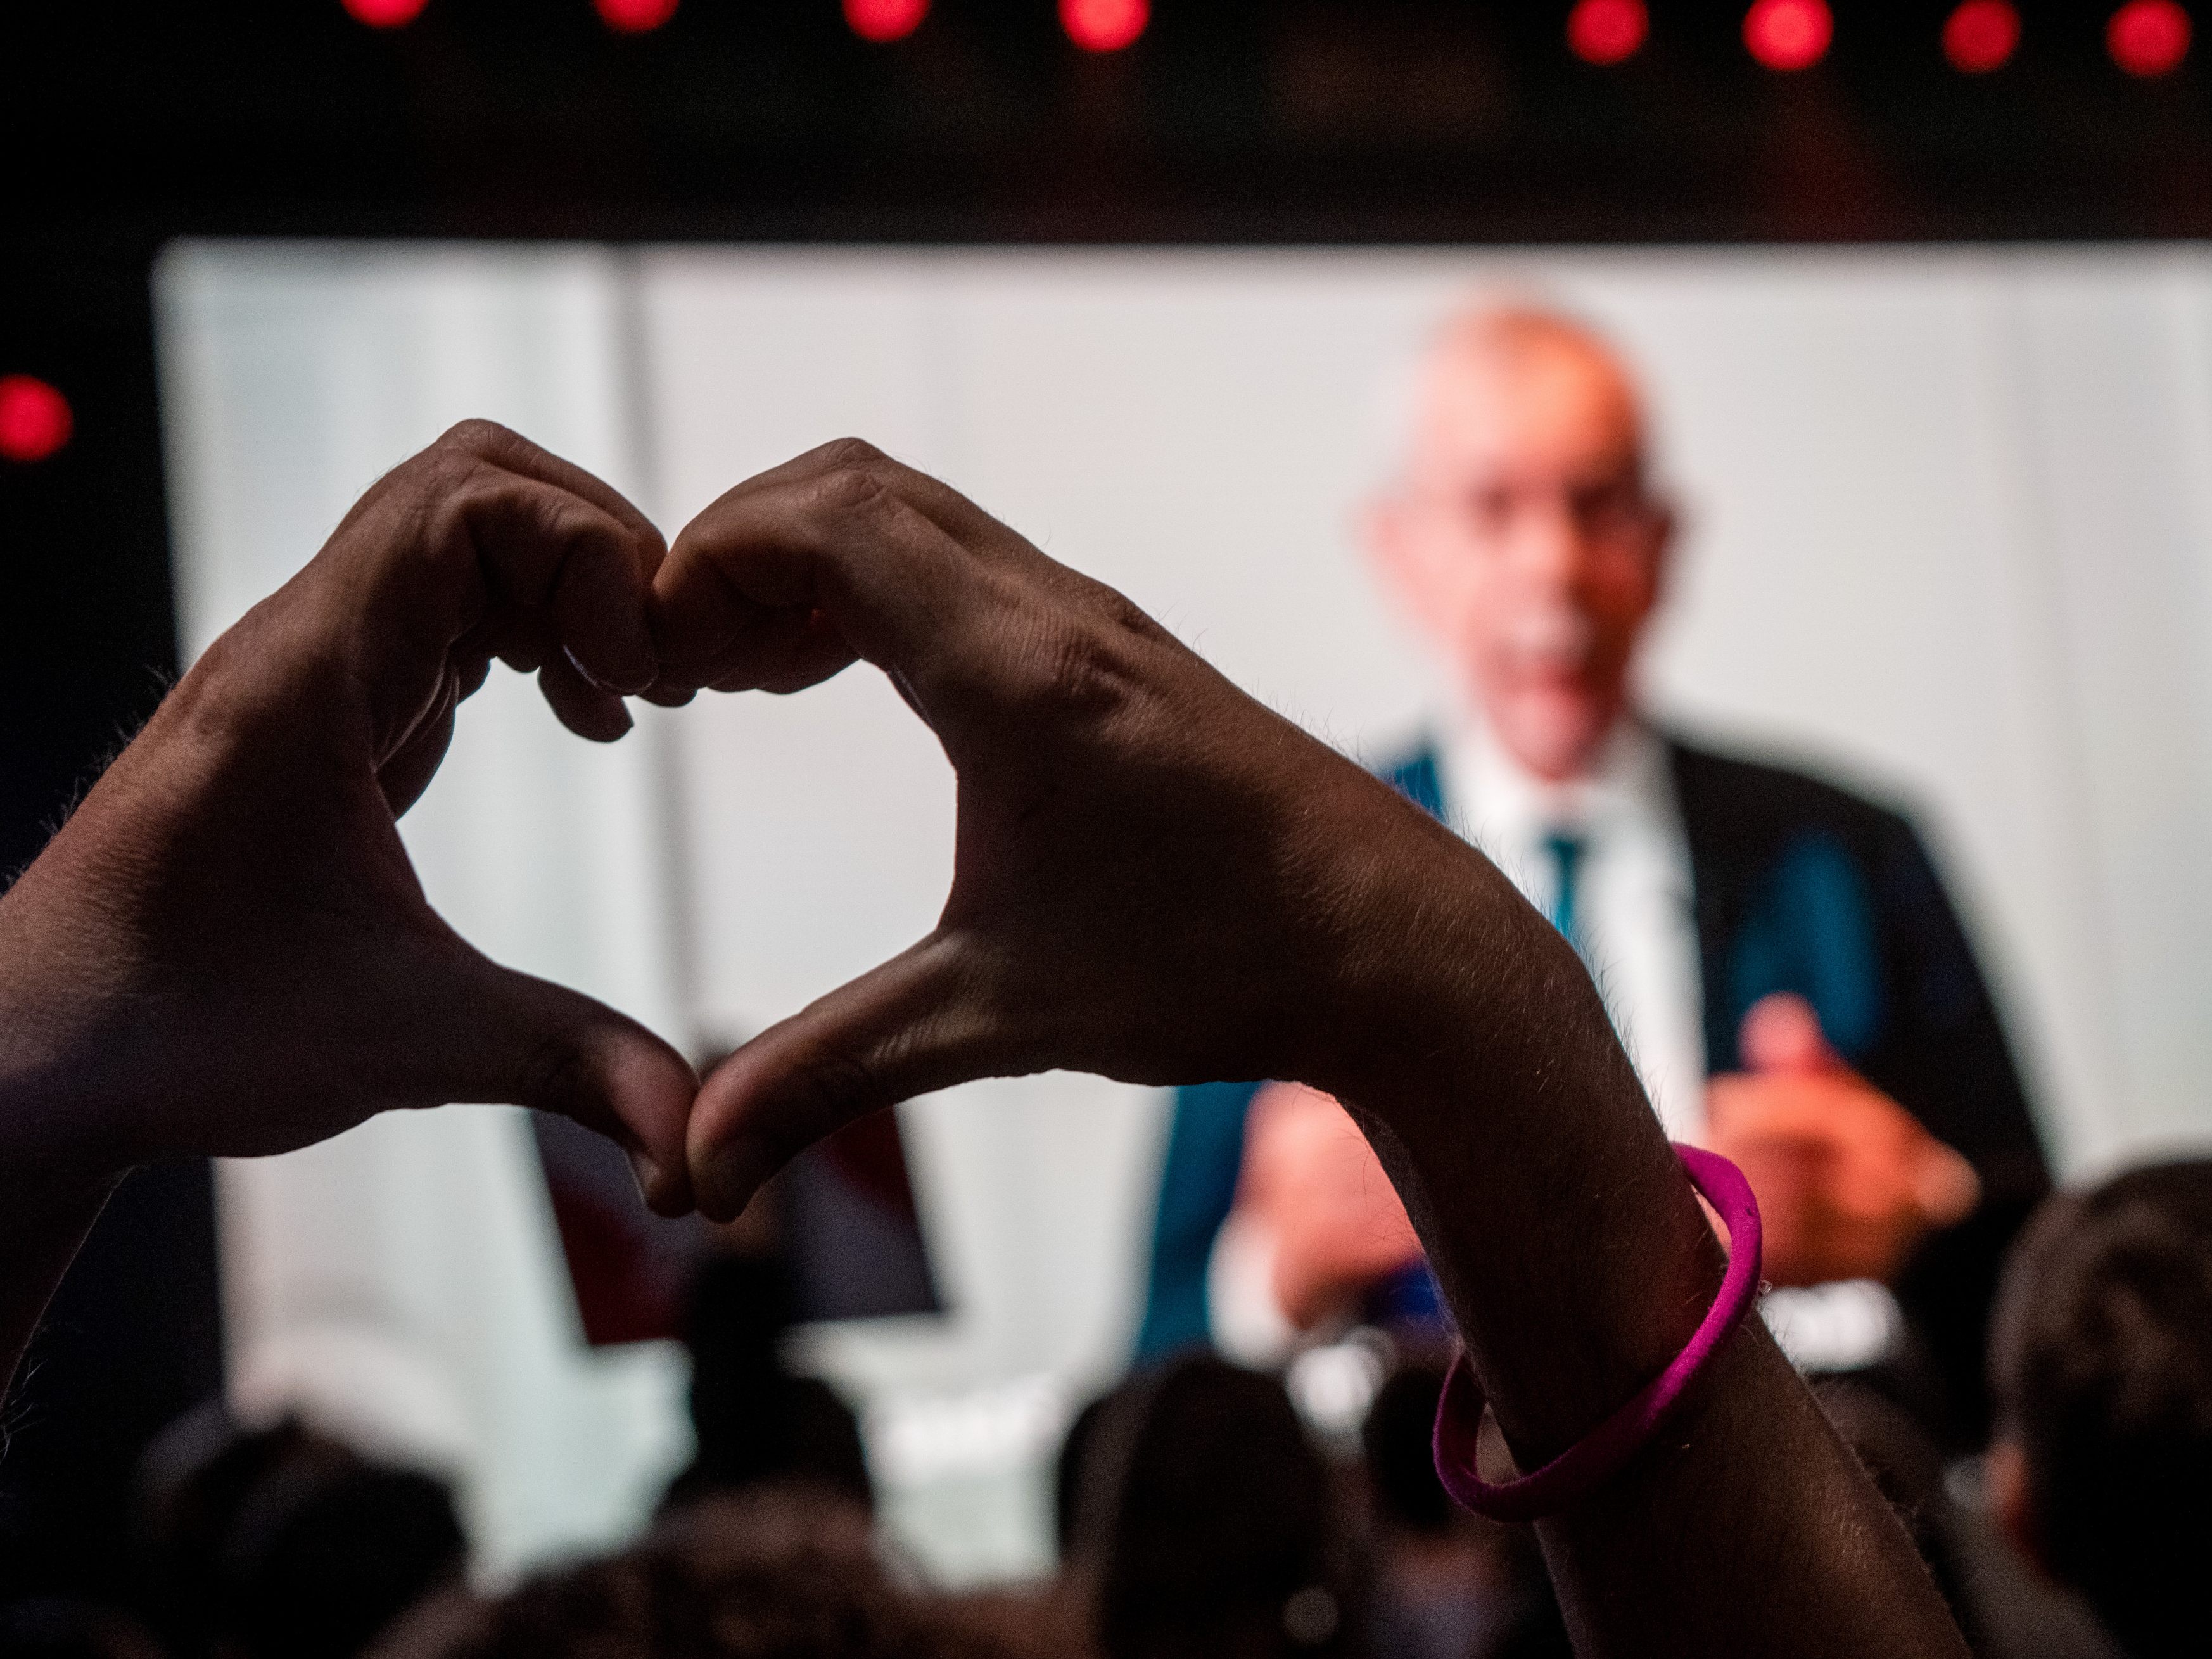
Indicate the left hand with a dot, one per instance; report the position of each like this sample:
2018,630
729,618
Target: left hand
225,949
1847,1180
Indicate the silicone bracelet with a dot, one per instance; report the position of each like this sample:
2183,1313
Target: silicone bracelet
1596,1458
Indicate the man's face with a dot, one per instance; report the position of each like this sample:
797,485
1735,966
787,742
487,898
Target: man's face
1522,540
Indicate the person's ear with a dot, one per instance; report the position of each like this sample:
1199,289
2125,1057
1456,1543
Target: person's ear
1381,536
1400,565
2012,1500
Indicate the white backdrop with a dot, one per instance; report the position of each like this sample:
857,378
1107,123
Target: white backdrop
1950,533
403,1282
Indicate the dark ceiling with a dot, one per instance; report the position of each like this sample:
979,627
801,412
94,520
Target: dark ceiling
1272,120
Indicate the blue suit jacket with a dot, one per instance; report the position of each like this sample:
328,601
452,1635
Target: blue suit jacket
1799,886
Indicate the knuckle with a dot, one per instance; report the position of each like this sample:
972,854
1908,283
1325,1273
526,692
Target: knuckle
849,490
1125,615
1079,673
842,452
1093,649
446,472
838,1087
555,1077
481,439
858,477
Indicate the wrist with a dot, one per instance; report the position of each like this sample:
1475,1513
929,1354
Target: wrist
61,1144
1468,1039
58,1164
52,1187
73,991
1442,982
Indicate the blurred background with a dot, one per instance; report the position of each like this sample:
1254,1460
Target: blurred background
1919,304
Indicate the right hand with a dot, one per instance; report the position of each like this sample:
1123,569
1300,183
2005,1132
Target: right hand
1847,1180
1155,878
1312,1181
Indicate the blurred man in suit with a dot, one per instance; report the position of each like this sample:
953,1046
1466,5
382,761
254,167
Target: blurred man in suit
1777,953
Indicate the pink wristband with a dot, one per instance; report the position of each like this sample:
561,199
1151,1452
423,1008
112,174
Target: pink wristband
1596,1458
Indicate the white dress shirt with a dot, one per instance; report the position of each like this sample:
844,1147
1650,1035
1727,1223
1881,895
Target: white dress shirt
1635,918
1636,923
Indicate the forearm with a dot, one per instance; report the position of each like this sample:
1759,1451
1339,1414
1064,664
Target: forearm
49,1199
58,1157
1577,1262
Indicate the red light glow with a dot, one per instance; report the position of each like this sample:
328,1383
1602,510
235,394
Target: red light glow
1606,32
34,418
634,16
1104,25
1980,36
885,21
384,14
1789,35
2148,37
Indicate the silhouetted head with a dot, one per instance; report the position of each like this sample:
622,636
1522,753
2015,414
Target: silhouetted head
1398,1438
753,1420
774,1573
1207,1523
2101,1361
1072,1471
282,1543
61,1629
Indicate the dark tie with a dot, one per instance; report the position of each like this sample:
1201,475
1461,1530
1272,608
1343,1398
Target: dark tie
1566,851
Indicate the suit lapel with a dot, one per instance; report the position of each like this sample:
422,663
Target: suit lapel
1717,885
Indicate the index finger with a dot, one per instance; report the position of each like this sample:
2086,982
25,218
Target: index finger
486,542
513,453
835,534
600,582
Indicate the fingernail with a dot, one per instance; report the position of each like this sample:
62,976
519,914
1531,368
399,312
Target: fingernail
647,1174
621,685
734,1174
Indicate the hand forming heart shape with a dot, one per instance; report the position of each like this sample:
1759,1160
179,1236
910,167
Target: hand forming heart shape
225,948
1153,874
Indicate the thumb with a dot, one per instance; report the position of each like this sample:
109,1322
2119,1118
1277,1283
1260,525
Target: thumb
530,1042
914,1025
1945,1185
1781,1033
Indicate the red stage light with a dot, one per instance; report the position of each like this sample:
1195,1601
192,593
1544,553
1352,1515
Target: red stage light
34,418
1104,25
1980,36
883,20
1604,32
384,14
2148,37
634,16
1789,35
